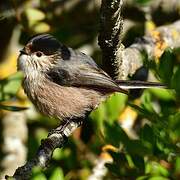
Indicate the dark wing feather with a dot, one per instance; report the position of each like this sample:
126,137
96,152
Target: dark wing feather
81,71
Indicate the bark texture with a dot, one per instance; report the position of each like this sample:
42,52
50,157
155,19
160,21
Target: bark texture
109,38
153,44
56,139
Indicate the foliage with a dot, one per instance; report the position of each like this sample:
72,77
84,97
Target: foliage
154,153
151,152
9,87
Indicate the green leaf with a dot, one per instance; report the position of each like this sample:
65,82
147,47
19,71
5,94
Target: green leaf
41,27
10,86
147,102
177,165
118,158
166,66
174,123
163,94
57,174
57,154
114,105
136,147
98,115
176,80
37,174
109,110
139,163
114,134
156,169
40,134
158,178
144,112
142,2
143,178
12,108
147,136
34,15
114,169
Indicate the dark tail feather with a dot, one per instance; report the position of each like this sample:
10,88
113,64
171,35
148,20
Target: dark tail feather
124,84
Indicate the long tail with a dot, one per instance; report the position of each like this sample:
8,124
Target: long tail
124,84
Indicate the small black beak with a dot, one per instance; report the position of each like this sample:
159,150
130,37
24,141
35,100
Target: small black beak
22,51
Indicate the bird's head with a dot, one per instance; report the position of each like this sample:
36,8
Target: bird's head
39,54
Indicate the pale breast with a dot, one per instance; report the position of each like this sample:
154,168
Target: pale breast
62,102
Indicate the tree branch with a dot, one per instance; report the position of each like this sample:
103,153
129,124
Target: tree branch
55,139
119,62
109,37
154,43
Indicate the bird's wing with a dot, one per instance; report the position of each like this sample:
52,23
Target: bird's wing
84,77
82,72
123,84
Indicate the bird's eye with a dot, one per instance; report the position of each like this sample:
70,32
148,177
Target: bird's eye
38,54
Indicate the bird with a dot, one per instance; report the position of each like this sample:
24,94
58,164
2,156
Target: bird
64,83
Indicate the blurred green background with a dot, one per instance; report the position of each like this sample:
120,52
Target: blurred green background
135,138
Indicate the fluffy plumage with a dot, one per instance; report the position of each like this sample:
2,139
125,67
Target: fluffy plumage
61,82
